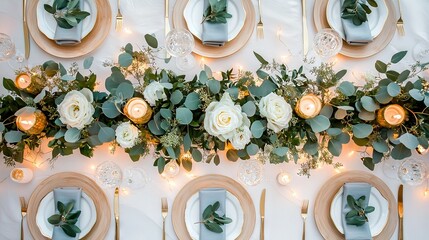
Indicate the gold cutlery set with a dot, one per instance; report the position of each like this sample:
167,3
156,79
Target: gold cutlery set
119,19
304,211
23,214
262,214
401,212
116,213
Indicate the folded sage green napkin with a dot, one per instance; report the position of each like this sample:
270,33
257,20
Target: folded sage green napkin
356,35
70,36
208,197
66,195
214,34
356,190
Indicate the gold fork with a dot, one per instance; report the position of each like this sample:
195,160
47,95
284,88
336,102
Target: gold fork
119,19
400,22
304,210
23,214
164,209
260,26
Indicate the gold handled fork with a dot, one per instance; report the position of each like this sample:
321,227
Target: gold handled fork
400,22
23,214
260,25
304,210
164,211
119,19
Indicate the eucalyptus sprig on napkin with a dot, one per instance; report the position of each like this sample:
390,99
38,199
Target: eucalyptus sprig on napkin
212,220
66,13
66,220
357,10
216,12
357,216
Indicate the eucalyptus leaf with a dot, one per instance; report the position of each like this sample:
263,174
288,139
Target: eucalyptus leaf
192,101
398,56
249,108
125,59
410,141
87,63
393,89
13,136
319,123
151,41
347,88
258,128
106,134
362,130
184,116
72,135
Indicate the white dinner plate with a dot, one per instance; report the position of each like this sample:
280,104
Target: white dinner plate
233,211
47,23
193,14
377,220
46,209
376,19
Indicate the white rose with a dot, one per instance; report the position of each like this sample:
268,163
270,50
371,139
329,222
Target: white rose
242,135
223,118
76,109
127,135
154,92
277,111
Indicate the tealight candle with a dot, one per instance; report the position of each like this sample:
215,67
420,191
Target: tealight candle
137,110
308,106
283,178
31,122
21,175
23,81
421,150
391,116
171,169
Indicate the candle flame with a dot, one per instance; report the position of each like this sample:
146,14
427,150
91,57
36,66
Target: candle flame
397,116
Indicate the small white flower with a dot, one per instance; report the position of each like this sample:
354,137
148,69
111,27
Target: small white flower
154,92
223,118
76,109
241,138
127,135
277,111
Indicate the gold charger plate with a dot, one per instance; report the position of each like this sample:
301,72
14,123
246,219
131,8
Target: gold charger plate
230,47
89,43
70,179
213,181
326,194
363,51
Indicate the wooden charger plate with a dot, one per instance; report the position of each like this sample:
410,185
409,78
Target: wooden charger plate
213,181
89,43
362,51
70,179
326,194
230,47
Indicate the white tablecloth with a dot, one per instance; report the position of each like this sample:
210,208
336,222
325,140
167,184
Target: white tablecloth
141,209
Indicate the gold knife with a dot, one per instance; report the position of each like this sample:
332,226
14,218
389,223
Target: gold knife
304,28
166,23
262,213
25,27
116,211
401,212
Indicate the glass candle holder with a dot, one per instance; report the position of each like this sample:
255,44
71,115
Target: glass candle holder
21,175
137,110
31,122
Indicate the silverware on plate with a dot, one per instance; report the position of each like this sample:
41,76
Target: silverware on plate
400,22
164,212
260,25
304,28
23,214
401,212
25,28
119,19
262,213
167,27
116,212
304,210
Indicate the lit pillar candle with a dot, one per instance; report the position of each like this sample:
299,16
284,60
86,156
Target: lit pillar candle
25,82
31,121
308,106
391,116
137,110
21,175
283,178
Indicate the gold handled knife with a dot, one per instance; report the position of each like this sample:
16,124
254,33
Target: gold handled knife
401,212
25,28
166,23
262,213
304,28
116,212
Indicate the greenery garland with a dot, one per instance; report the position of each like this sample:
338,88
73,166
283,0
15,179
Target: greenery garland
192,119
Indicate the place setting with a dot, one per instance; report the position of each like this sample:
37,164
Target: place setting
67,31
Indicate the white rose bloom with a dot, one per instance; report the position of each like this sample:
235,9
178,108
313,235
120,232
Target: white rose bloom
127,135
76,109
277,111
242,135
154,92
223,118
